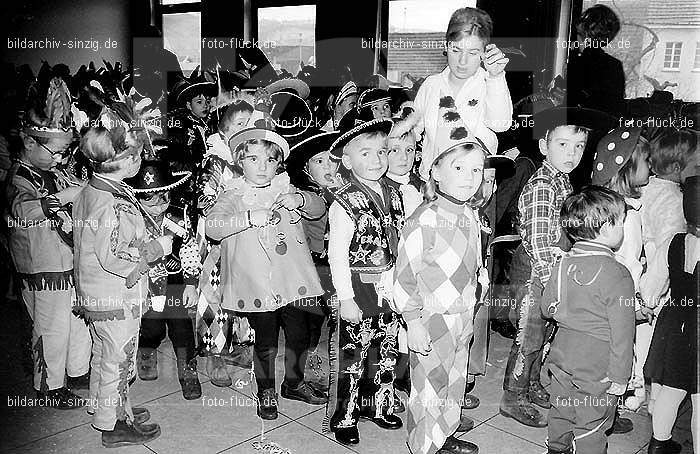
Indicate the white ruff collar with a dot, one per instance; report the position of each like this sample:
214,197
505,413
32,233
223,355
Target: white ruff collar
260,197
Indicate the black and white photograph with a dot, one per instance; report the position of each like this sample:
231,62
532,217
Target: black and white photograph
329,227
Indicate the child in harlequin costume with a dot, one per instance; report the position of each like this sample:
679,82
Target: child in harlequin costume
563,134
480,94
112,256
38,202
435,291
673,357
214,326
621,164
364,220
672,154
311,168
152,186
591,297
265,261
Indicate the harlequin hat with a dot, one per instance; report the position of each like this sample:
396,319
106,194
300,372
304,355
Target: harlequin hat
313,142
291,114
546,120
453,132
612,152
351,126
155,176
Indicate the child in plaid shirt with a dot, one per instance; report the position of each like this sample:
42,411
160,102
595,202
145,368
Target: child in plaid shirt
563,132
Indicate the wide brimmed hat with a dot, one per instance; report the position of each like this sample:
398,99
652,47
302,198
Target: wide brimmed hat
289,85
351,126
261,130
195,85
613,151
349,89
372,96
549,119
291,114
155,176
313,142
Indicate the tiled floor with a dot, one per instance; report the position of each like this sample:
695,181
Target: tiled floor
224,419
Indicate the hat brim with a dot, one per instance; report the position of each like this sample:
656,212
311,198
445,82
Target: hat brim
503,164
309,147
207,88
299,86
49,133
549,119
297,128
183,176
259,133
379,125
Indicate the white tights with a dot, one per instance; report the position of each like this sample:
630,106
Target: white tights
666,412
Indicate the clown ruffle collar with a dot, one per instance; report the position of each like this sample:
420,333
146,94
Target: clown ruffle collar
262,197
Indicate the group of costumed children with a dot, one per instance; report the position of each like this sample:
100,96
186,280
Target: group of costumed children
343,226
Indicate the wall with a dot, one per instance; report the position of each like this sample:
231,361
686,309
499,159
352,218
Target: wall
687,79
73,32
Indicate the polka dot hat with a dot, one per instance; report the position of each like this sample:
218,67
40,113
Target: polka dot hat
612,152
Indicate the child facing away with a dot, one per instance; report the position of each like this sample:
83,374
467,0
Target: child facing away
563,134
435,291
480,93
44,263
591,297
363,239
673,357
265,260
112,256
621,163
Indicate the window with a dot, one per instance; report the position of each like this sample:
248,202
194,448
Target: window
672,55
416,36
287,36
182,35
696,64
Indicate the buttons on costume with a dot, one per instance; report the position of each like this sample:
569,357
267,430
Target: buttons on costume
302,290
599,166
611,146
625,135
619,159
257,302
241,303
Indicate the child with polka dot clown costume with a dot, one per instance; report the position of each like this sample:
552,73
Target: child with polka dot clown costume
265,259
621,164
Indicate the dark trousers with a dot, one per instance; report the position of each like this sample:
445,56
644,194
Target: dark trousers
582,411
525,359
176,319
366,357
504,286
294,322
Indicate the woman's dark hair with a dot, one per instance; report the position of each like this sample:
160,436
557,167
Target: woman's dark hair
467,22
598,23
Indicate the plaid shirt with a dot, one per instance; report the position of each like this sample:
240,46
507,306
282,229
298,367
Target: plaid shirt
539,206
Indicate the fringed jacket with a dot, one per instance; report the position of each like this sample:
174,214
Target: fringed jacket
109,233
43,259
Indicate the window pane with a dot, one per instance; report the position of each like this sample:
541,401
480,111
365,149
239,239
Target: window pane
182,35
654,36
421,23
287,36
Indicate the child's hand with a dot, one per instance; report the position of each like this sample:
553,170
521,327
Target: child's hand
350,312
645,313
616,389
494,60
260,218
189,296
290,201
418,338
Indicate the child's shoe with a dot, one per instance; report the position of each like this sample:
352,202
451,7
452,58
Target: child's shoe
347,435
620,425
470,402
456,446
465,424
664,447
304,393
147,363
189,381
538,395
127,434
517,406
216,370
241,356
267,404
80,382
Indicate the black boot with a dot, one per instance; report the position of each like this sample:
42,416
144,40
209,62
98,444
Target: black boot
303,392
347,435
517,406
267,404
147,363
456,446
189,381
664,447
620,425
60,398
126,434
80,382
